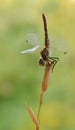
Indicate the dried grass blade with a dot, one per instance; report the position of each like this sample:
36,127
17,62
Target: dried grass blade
32,115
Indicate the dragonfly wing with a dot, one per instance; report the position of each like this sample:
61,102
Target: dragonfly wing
58,45
61,48
30,50
31,43
31,38
51,45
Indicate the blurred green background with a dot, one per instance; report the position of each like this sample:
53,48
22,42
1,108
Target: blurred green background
21,76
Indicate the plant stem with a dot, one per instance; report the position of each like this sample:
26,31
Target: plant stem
37,128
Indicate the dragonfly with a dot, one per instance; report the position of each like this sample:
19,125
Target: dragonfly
45,53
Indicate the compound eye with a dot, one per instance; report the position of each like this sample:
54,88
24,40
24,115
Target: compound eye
41,62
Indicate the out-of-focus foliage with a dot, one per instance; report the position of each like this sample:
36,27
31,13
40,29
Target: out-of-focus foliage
21,76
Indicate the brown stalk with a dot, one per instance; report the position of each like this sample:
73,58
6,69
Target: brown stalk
45,83
40,104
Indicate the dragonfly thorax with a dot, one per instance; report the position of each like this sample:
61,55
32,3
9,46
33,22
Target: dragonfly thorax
45,54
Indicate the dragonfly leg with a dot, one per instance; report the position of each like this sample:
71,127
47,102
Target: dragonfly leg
53,60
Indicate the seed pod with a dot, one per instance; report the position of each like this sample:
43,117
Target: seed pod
47,76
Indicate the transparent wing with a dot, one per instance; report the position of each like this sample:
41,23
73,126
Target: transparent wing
51,45
58,46
30,50
31,43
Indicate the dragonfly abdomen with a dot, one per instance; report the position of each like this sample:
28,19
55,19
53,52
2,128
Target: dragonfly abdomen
47,44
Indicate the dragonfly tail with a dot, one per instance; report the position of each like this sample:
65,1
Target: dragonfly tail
45,30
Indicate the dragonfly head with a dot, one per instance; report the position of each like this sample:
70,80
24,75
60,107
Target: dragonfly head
41,62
